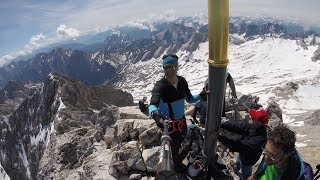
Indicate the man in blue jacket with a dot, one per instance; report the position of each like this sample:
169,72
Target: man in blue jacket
167,102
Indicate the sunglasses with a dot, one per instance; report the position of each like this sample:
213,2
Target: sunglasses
169,68
265,152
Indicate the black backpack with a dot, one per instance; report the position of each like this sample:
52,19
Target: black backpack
196,141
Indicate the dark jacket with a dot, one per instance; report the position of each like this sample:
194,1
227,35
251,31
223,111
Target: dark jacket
294,170
249,146
170,100
143,107
200,107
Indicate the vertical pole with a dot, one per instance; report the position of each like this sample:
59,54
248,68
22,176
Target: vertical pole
218,32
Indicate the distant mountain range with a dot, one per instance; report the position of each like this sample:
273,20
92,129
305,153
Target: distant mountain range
113,50
51,124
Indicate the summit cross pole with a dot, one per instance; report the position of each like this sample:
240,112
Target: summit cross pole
218,32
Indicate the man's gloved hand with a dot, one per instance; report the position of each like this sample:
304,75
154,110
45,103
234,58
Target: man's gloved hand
204,92
159,118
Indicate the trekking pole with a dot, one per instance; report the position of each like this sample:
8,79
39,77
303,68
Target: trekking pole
165,166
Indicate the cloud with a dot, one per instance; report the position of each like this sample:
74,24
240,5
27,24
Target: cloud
40,40
36,42
64,32
5,58
72,17
166,16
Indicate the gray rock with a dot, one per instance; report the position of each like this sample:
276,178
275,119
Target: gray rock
147,178
316,55
109,136
274,109
150,137
151,158
125,159
274,121
131,112
135,176
314,118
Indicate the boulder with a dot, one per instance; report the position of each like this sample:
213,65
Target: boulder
275,114
314,118
125,159
151,158
150,137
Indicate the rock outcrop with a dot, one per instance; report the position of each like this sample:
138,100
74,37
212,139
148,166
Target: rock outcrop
316,55
66,130
57,130
14,93
314,118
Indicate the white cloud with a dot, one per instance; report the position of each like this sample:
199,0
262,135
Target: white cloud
5,58
168,15
64,32
88,15
40,40
36,42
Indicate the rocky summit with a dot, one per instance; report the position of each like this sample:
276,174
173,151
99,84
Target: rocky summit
56,129
67,130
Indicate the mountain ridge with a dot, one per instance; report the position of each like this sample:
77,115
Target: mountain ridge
127,45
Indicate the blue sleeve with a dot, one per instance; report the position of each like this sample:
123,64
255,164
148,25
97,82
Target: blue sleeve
193,99
152,108
155,98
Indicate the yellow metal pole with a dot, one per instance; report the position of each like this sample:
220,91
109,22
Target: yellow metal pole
218,32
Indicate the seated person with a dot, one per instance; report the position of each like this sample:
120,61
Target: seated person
201,107
143,105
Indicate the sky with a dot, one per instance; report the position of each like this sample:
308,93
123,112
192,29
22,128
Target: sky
29,24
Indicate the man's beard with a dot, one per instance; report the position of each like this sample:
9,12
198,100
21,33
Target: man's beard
170,74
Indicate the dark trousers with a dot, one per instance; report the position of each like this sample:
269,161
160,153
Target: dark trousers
177,138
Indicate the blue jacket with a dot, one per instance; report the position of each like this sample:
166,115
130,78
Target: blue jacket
170,100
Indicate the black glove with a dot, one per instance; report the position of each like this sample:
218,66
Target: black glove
204,93
159,118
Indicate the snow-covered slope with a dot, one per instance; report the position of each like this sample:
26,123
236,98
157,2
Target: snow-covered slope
262,67
3,174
